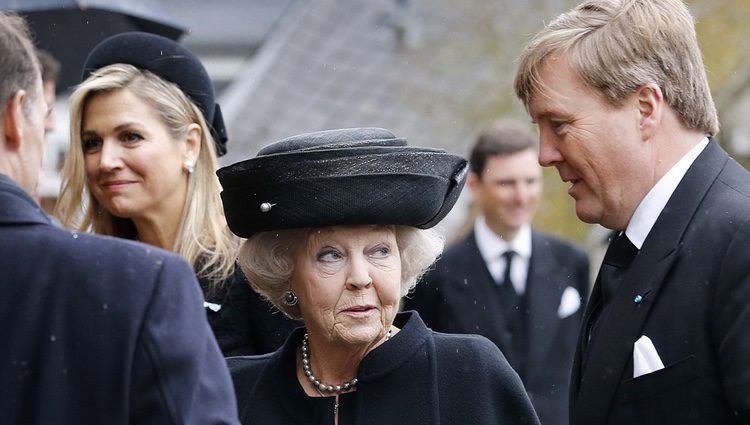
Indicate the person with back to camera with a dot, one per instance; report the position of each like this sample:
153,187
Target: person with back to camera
145,134
339,229
50,69
531,310
618,89
93,330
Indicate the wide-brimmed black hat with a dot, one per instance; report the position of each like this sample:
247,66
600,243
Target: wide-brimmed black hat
170,61
341,177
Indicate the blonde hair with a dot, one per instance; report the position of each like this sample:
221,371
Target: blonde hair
617,46
203,237
267,259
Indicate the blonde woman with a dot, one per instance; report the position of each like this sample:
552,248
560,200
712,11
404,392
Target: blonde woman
145,135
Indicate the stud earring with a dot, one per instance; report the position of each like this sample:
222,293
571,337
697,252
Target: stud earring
290,298
189,166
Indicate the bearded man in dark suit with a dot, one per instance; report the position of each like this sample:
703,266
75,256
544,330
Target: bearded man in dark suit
93,330
619,92
513,284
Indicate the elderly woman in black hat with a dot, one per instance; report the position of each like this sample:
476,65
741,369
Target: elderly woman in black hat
338,227
145,135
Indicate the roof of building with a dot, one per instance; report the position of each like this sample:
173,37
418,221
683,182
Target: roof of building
414,67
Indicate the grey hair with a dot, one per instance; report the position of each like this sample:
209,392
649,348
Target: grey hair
19,65
267,259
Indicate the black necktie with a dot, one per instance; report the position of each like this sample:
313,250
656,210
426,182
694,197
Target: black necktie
620,254
513,311
508,255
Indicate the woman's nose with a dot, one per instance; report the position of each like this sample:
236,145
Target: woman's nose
359,274
110,157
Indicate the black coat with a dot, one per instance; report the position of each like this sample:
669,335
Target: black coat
98,330
245,323
417,377
460,296
693,276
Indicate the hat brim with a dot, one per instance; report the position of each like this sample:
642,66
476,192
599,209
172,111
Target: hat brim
397,185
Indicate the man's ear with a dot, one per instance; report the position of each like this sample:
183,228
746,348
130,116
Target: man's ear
473,182
13,121
650,107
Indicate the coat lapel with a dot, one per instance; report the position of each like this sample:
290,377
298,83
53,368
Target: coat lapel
543,301
623,320
592,307
477,305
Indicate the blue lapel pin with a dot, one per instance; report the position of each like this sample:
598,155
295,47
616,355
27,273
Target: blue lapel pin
639,298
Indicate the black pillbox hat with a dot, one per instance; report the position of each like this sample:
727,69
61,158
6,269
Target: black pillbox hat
341,177
170,61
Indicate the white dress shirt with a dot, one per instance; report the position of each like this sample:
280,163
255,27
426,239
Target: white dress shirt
652,205
492,247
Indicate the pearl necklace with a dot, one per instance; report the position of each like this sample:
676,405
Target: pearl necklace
337,389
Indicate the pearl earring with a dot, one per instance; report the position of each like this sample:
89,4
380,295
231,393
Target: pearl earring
189,166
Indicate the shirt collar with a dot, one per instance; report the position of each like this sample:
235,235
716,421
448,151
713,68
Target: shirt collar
492,246
652,205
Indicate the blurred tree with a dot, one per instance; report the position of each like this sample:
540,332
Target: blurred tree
723,33
491,40
487,46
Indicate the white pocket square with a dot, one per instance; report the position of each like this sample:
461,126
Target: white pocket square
645,357
570,302
212,306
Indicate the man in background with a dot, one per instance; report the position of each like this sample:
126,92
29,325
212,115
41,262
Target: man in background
93,330
518,287
50,69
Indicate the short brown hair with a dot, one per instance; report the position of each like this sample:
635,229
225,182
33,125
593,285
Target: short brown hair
49,66
617,46
499,138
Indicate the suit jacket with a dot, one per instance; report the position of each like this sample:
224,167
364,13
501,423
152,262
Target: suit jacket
693,277
98,330
459,296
